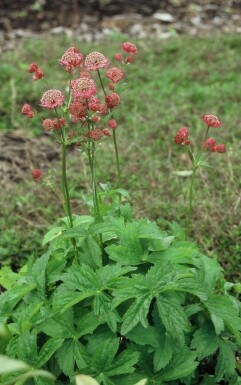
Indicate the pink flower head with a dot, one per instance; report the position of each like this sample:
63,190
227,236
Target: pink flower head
182,136
95,134
78,108
211,120
113,100
71,59
48,124
115,74
83,87
36,174
209,144
32,68
221,148
103,109
118,56
95,60
112,123
106,132
27,111
129,48
52,99
38,74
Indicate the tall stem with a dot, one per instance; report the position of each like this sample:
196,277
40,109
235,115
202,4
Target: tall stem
114,134
117,156
190,203
65,187
91,155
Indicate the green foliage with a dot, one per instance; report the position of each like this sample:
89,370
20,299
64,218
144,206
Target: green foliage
145,305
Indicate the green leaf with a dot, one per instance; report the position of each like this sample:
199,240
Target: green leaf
163,354
70,353
173,316
104,354
91,247
7,277
8,365
223,312
52,234
225,362
47,351
144,336
136,313
205,341
64,299
123,363
102,308
27,347
181,365
39,273
87,324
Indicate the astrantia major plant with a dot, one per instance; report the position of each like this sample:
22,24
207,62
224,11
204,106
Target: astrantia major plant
208,146
135,302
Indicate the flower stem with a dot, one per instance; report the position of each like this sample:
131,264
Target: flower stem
190,202
117,157
65,187
114,134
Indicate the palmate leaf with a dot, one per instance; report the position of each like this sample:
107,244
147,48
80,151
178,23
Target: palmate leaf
144,336
59,327
163,354
123,363
223,313
136,313
181,365
71,353
47,351
173,316
38,272
205,341
226,361
65,298
27,347
102,308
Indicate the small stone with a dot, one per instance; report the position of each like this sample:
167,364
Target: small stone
165,17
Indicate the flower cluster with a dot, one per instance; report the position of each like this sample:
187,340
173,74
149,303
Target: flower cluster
36,71
209,144
86,114
130,51
27,111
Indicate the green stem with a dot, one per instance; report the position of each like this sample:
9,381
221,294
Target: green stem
65,185
206,134
114,135
190,202
117,157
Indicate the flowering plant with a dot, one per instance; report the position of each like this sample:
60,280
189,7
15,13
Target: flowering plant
209,146
114,297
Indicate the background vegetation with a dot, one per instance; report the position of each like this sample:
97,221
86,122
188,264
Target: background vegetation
171,84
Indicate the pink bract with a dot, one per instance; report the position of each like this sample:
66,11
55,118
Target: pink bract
71,59
115,74
36,174
83,87
129,48
113,100
52,99
95,60
211,120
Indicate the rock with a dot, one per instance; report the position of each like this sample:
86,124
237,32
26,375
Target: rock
164,17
